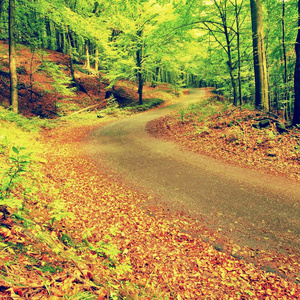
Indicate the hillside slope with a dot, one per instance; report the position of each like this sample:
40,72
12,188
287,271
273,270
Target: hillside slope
241,136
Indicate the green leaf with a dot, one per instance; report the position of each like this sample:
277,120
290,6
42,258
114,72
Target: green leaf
3,245
15,150
5,183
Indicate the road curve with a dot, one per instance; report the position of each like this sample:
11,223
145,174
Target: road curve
259,209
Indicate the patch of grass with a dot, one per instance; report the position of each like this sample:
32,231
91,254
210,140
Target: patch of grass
249,106
82,296
51,269
148,104
201,111
111,112
27,124
66,108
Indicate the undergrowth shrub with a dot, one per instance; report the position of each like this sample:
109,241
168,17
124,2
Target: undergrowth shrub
61,82
12,177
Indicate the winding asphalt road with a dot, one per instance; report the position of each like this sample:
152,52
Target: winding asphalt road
257,208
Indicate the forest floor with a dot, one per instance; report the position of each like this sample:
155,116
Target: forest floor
82,234
240,136
103,245
166,262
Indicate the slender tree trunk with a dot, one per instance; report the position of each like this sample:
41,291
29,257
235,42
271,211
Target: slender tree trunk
237,17
296,118
222,8
96,59
31,75
140,77
12,58
71,59
285,94
229,55
139,68
231,69
71,55
87,56
259,57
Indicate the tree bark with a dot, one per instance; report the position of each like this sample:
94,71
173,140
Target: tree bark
237,19
259,57
222,9
70,54
296,118
12,58
96,59
87,56
285,77
139,68
140,77
230,67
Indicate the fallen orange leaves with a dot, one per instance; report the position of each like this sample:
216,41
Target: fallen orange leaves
165,260
136,248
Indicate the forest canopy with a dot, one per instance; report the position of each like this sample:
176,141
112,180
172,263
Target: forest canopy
243,48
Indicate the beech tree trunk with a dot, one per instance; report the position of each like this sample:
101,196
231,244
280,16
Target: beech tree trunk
12,58
96,59
70,54
259,57
222,10
296,118
139,69
285,76
237,20
87,56
140,77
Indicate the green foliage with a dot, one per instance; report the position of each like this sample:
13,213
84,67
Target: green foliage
66,239
148,104
248,106
82,296
65,108
57,211
13,177
201,111
28,124
26,222
3,144
106,249
51,269
61,81
182,114
112,107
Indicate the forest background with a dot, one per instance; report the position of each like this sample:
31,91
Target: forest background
247,51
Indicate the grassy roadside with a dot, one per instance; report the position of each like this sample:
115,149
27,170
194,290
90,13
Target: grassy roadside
80,234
